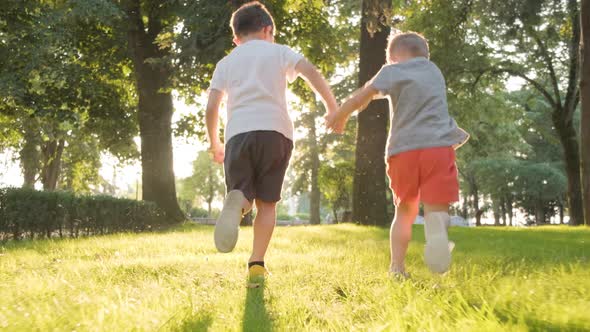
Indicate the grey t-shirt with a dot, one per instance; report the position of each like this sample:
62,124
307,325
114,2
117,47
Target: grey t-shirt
417,96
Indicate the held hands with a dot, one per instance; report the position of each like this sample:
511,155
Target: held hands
218,152
336,121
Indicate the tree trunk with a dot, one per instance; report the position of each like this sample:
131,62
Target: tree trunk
585,98
569,140
560,213
539,212
503,208
335,216
29,155
496,212
155,110
211,190
315,195
510,209
52,152
475,196
464,210
369,188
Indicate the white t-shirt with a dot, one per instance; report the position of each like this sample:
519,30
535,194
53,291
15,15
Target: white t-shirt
254,78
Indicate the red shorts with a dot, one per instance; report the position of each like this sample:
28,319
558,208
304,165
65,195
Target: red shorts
427,175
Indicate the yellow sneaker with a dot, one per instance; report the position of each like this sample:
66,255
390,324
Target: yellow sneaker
257,273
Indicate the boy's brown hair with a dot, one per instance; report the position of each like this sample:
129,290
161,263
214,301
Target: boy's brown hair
250,18
412,42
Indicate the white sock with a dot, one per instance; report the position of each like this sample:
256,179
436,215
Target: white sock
436,224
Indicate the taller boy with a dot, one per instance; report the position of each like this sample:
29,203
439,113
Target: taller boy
259,130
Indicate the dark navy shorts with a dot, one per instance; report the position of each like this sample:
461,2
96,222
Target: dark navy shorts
256,163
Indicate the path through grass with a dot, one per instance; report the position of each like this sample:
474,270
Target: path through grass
328,278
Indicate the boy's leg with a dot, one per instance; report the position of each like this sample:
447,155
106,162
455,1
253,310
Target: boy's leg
439,187
239,178
437,252
227,226
264,225
271,156
403,176
401,234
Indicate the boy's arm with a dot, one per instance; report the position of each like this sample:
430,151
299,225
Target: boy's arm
318,83
357,101
212,120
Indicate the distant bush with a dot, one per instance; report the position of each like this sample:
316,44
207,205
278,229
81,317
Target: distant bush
302,216
27,213
285,216
197,212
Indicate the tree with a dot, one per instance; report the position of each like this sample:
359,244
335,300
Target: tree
540,33
62,77
307,161
149,22
336,184
585,98
326,44
206,183
81,164
369,188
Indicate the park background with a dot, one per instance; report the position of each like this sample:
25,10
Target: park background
102,136
83,87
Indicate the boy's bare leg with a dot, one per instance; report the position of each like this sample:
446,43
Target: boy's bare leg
401,234
264,224
437,253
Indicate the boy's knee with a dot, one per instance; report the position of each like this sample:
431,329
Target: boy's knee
408,207
428,208
265,206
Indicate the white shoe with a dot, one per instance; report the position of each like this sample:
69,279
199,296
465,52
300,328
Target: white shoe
227,226
437,252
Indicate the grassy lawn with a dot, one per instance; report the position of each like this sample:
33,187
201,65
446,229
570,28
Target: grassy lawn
328,278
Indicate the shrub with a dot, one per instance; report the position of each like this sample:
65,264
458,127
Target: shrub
197,212
27,213
302,216
285,216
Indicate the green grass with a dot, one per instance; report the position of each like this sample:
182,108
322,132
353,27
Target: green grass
328,278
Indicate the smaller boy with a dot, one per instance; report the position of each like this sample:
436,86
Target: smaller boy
420,151
259,130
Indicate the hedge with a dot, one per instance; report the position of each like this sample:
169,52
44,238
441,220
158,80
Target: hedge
27,213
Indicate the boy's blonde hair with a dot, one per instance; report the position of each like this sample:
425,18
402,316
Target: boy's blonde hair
412,42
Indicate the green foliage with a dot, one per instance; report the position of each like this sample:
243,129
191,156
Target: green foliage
27,213
80,166
205,184
336,183
64,72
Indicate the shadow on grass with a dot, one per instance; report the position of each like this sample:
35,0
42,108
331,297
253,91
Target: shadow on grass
256,317
198,322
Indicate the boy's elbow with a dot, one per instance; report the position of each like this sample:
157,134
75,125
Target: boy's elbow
307,70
